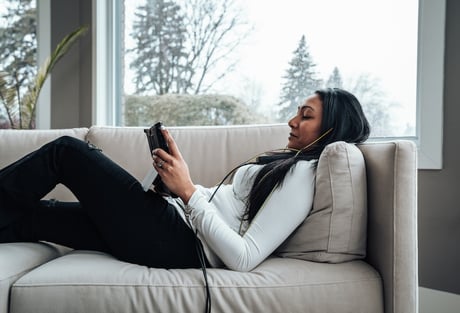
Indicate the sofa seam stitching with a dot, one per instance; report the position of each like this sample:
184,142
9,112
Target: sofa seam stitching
195,286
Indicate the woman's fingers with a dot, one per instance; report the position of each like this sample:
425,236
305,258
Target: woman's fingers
173,149
174,153
163,155
159,163
173,170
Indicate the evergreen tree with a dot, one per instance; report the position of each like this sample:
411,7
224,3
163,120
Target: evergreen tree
159,33
18,41
300,80
335,79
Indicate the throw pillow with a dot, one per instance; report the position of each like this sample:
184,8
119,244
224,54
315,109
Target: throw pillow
335,230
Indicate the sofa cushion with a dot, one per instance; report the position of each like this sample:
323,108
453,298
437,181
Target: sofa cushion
16,259
335,229
210,152
84,281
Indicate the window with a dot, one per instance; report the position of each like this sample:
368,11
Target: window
18,60
266,58
368,47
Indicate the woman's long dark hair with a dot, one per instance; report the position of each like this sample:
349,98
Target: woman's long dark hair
342,112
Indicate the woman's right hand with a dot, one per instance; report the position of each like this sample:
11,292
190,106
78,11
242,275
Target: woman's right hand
173,169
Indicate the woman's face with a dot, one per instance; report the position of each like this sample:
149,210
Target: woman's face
306,124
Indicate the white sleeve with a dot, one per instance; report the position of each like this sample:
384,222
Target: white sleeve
283,211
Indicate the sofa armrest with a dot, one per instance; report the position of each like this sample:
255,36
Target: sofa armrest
16,259
392,221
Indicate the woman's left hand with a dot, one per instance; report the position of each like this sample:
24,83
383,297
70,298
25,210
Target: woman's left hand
173,169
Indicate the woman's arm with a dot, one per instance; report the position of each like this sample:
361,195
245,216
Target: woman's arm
282,212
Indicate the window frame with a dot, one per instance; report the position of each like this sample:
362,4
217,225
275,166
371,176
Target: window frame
430,87
107,87
429,97
43,113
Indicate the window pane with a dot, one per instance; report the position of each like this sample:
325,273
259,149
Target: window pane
208,62
18,59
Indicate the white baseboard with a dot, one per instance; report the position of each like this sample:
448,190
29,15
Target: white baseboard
436,301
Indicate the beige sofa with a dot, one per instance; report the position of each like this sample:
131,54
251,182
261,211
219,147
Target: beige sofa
39,277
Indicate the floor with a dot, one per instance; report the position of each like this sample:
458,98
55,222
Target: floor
435,301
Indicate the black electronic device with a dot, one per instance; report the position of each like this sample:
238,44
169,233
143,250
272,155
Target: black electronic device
156,140
155,137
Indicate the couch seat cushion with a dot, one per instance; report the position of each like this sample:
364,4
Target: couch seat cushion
18,258
86,281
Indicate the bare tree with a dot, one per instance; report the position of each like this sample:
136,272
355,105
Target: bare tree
251,91
200,36
369,92
215,28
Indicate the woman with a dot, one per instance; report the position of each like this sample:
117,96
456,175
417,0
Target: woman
239,224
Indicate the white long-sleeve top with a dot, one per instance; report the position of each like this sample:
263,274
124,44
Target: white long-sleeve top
219,224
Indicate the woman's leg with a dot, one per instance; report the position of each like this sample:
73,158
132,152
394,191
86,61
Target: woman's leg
136,226
65,223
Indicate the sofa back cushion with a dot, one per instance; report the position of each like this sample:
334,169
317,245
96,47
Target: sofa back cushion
210,152
16,143
335,229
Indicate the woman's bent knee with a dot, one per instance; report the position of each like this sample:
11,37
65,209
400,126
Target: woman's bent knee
71,142
67,140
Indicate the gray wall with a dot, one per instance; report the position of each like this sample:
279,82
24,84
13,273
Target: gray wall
439,212
71,78
439,191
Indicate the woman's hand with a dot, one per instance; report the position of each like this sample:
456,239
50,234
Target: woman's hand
173,169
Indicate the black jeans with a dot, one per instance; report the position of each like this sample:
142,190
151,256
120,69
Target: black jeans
113,215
